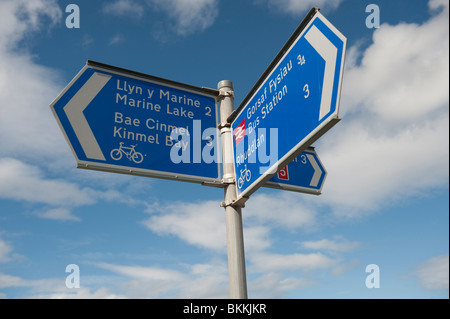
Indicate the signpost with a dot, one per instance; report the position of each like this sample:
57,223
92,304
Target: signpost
294,103
122,121
305,174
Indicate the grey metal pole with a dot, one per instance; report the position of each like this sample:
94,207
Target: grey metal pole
235,235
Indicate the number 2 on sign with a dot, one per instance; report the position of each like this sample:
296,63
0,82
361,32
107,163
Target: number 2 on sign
306,91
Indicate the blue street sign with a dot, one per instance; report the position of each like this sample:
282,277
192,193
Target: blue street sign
122,121
292,105
304,174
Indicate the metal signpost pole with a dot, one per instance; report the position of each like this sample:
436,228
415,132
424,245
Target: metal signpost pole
235,235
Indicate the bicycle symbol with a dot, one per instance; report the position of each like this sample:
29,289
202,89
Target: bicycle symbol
129,151
245,174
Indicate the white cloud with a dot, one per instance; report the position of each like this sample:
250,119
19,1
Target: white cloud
118,38
7,281
284,210
20,181
331,245
59,213
27,126
199,224
188,16
61,292
207,281
18,17
28,130
437,4
404,74
275,285
268,262
366,171
144,273
210,280
5,251
344,267
53,289
295,7
87,41
126,8
393,141
202,224
195,281
24,182
434,273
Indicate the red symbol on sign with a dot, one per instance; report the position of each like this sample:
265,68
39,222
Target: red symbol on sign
239,133
283,173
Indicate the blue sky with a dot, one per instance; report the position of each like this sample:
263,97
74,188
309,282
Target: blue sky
385,200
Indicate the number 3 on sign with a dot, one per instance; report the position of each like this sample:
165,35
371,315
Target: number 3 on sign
306,91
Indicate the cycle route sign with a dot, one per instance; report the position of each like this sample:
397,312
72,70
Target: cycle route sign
295,101
304,174
123,121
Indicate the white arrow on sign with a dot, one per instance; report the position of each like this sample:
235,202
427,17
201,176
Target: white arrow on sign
328,52
74,111
317,171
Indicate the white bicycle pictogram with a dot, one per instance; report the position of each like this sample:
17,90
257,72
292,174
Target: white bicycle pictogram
245,174
129,151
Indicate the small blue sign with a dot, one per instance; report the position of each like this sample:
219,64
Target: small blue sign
122,121
293,104
304,174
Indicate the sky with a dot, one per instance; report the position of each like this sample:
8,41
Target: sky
385,201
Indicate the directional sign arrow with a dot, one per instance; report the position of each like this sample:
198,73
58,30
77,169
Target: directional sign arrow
317,170
305,174
74,111
328,52
294,103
